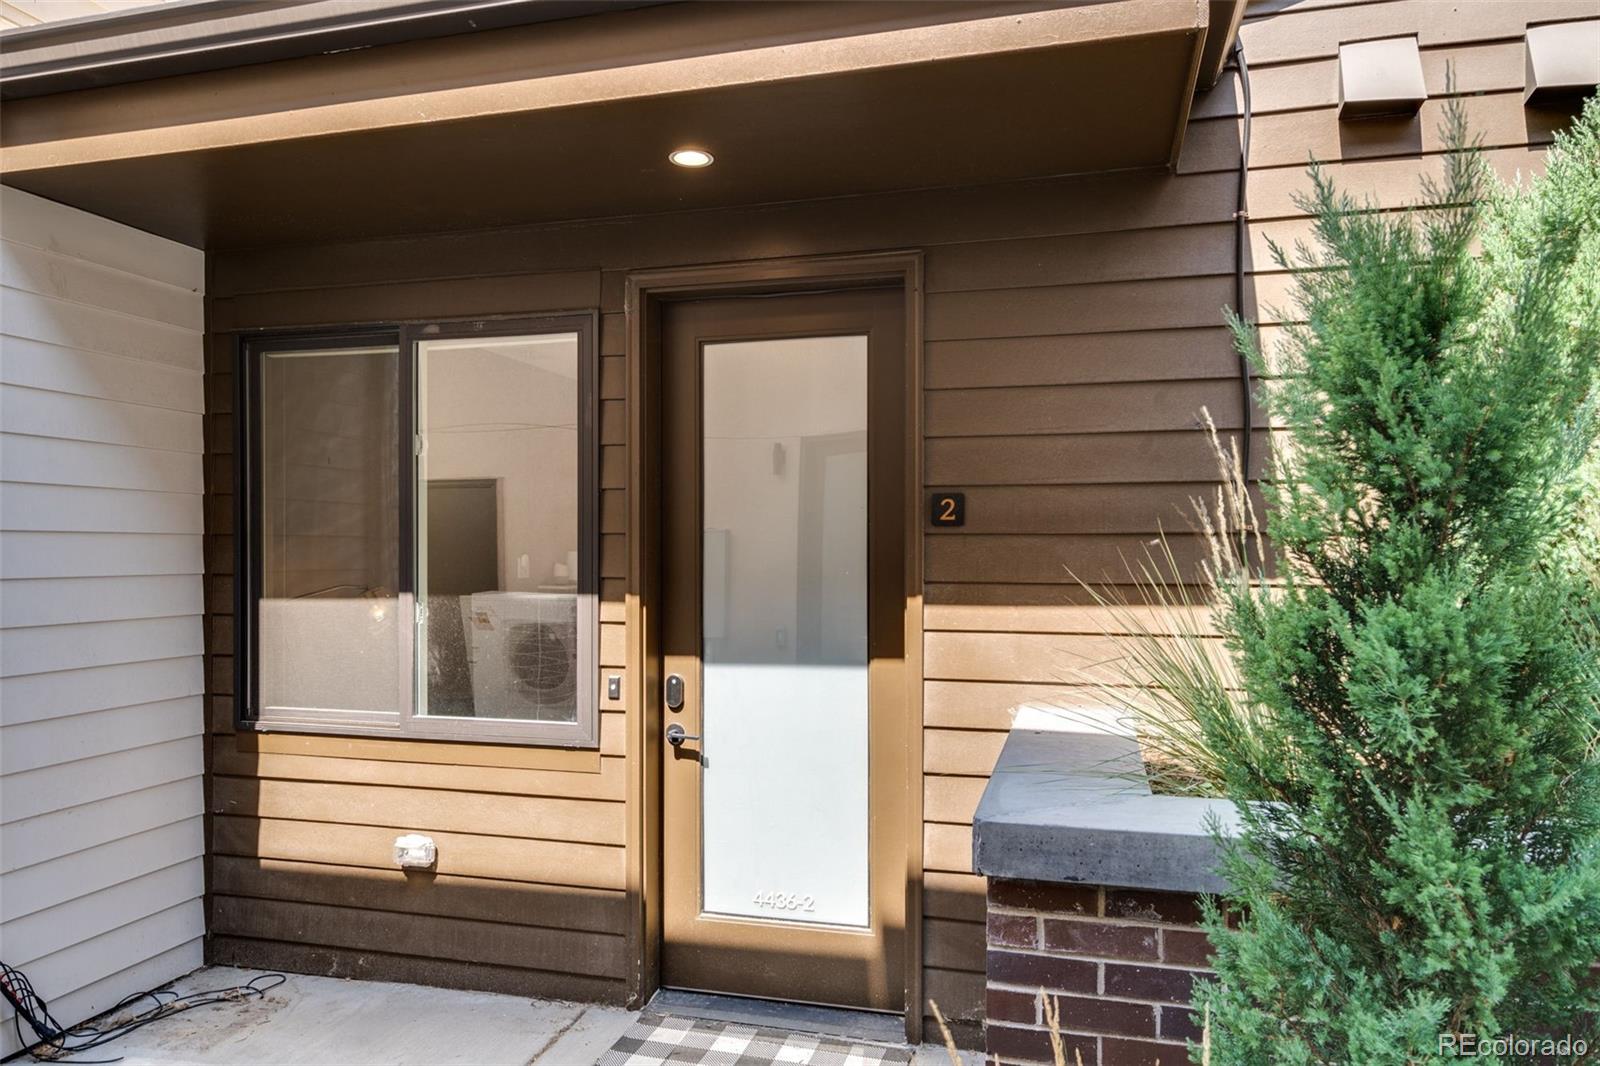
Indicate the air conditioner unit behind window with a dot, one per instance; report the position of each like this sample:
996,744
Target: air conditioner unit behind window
523,653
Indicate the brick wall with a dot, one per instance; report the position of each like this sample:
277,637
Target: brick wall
1119,964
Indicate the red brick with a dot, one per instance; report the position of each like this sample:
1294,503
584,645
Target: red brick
1045,896
1042,971
1094,1015
1005,1005
1149,982
1176,908
1013,930
1141,1053
1009,1044
1179,1023
1185,947
1101,938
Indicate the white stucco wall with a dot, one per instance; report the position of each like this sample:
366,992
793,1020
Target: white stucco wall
101,705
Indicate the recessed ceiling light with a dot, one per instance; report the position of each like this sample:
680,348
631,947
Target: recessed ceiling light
692,158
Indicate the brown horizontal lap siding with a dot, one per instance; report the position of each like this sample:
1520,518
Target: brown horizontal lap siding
528,893
1067,373
1074,337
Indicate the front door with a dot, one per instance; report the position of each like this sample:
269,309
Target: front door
783,502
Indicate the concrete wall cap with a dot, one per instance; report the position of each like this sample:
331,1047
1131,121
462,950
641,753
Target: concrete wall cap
1074,806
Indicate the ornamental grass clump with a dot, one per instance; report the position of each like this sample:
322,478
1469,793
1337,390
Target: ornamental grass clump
1422,862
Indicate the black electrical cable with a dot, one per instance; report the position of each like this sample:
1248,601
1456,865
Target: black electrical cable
1241,236
53,1042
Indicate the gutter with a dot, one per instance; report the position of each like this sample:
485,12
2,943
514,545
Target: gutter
189,36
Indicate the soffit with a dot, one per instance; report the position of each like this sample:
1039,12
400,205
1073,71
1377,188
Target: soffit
574,119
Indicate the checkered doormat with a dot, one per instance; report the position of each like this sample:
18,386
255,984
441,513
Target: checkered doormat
656,1039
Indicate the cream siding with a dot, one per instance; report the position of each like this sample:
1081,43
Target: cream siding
101,679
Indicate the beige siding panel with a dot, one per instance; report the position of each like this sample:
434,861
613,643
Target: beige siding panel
950,751
100,996
108,377
609,784
948,895
78,281
613,373
70,508
959,995
419,301
953,945
1144,407
951,799
35,697
50,742
100,554
368,965
1087,620
37,887
49,648
464,940
982,704
38,413
27,794
1477,68
66,231
35,936
1289,139
613,645
1381,182
143,954
36,840
1143,356
505,859
1049,658
1082,459
61,462
1129,255
1166,303
392,890
1053,559
926,219
1298,35
947,847
90,329
420,810
62,600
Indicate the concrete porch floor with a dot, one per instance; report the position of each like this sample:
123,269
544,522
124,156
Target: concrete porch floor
325,1020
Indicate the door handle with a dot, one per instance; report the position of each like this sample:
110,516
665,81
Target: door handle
676,736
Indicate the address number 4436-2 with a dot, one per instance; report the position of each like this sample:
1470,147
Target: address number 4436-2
785,901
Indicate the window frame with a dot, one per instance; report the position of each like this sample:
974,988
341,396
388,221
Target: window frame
249,558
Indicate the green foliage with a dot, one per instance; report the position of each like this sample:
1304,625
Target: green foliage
1169,678
1426,858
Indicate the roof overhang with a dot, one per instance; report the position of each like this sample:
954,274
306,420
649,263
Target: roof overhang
188,36
574,118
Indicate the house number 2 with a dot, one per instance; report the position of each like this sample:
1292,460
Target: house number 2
785,901
948,509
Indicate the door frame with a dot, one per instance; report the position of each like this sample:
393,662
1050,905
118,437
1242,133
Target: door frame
645,293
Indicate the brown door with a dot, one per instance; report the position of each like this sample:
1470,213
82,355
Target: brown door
784,597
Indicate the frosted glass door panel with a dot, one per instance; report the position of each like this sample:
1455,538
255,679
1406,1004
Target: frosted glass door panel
784,630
